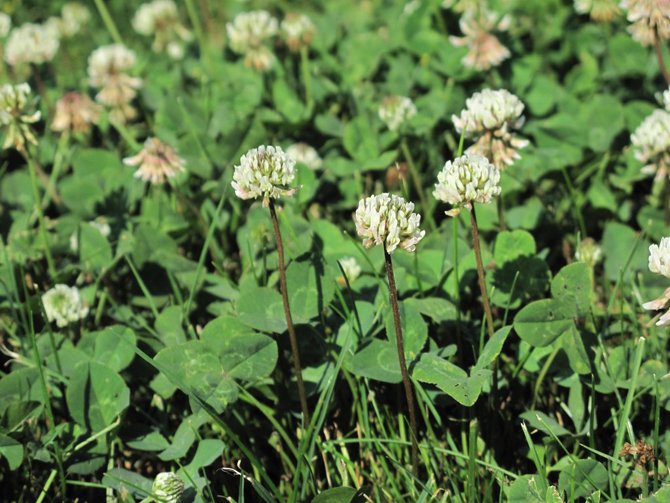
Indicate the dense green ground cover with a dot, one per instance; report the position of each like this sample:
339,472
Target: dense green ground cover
176,357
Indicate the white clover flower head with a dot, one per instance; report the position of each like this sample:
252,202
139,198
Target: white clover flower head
298,30
265,172
64,305
75,113
100,225
175,50
305,154
161,19
75,15
485,50
468,179
589,252
659,263
351,269
17,114
599,10
491,117
666,99
395,111
168,487
648,17
651,144
54,25
106,67
389,221
5,24
247,35
31,43
157,161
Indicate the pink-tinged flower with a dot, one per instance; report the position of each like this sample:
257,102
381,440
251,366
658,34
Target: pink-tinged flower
648,17
485,50
75,112
157,161
298,30
492,117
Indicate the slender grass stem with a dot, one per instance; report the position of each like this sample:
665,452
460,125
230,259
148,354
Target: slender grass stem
480,271
659,58
40,212
416,180
409,394
287,312
109,21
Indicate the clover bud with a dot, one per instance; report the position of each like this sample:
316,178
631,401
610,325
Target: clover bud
168,487
351,269
589,252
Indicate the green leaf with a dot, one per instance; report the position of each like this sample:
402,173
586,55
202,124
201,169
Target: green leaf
115,347
437,309
262,309
169,326
19,412
208,451
311,287
572,344
414,329
360,140
144,438
127,482
183,438
493,348
96,395
451,379
336,495
377,360
22,384
578,479
95,252
541,322
572,288
12,451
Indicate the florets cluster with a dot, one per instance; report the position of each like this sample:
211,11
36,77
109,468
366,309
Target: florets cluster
106,67
157,161
17,114
659,263
161,19
168,487
651,142
265,172
248,34
599,10
75,113
298,30
484,48
389,221
589,252
648,17
305,154
64,305
31,43
468,179
396,111
491,117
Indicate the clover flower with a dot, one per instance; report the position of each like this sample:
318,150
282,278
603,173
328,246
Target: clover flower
396,111
64,305
17,113
74,15
161,19
168,487
589,252
389,221
106,67
30,43
100,225
247,35
648,17
54,26
468,179
298,30
490,116
659,263
484,48
156,161
351,269
5,24
651,141
75,112
264,172
305,154
599,10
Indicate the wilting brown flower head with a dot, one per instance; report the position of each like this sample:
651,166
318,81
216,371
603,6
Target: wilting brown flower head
156,161
485,50
648,17
75,113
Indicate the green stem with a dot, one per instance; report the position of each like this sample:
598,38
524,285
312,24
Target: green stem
109,22
480,271
577,209
306,76
40,212
417,182
197,27
289,318
409,394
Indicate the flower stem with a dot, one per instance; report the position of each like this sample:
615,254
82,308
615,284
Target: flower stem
417,182
666,202
480,271
659,57
109,22
287,312
501,213
40,212
306,76
41,89
409,394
